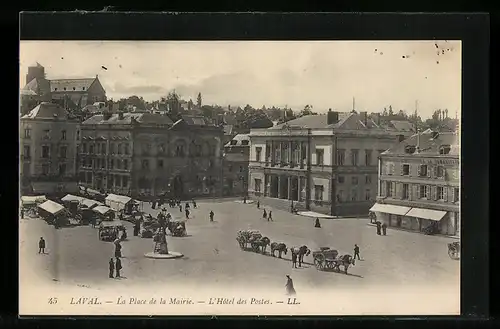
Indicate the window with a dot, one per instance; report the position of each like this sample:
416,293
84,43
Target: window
233,142
456,194
406,170
111,164
230,168
125,164
63,135
340,157
406,192
104,148
368,179
45,152
354,195
145,164
62,169
211,164
368,157
440,193
161,148
367,195
78,135
45,169
424,192
258,153
62,152
91,149
179,151
340,196
110,180
244,142
83,88
320,156
388,189
160,163
125,181
444,149
257,184
64,88
84,148
118,164
27,133
440,171
55,89
27,151
354,157
241,168
112,148
354,180
318,192
119,148
422,171
46,134
410,149
341,179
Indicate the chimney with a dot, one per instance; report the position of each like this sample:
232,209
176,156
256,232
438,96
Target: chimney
332,117
364,117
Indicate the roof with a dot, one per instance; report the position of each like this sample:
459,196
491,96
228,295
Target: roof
71,197
28,92
118,198
90,203
102,209
195,120
112,223
33,199
429,144
70,85
402,125
317,121
46,110
238,140
146,118
51,207
228,129
39,86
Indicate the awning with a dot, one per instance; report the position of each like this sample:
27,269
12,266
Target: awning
390,209
435,215
90,203
122,199
28,200
102,209
71,197
51,207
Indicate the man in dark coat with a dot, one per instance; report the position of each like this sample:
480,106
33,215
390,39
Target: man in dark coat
194,204
211,216
317,224
378,228
270,216
118,267
294,260
356,251
41,246
22,213
187,213
258,204
111,268
264,215
137,227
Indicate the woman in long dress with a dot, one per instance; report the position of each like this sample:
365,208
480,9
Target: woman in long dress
290,290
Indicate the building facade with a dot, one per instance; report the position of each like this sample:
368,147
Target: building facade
235,172
48,143
325,163
147,155
419,184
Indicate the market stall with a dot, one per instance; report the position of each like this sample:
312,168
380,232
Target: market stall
53,213
120,203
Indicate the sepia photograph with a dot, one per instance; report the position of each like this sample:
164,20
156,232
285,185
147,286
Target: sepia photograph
239,177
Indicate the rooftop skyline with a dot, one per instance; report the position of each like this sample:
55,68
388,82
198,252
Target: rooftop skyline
323,74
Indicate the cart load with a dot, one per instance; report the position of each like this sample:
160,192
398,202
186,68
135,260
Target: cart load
109,231
177,228
329,259
244,237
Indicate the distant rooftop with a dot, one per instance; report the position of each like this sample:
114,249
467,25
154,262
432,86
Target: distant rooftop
239,140
429,143
46,111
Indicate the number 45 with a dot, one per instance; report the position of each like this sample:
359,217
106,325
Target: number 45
53,300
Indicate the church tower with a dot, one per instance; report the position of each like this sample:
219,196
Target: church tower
35,71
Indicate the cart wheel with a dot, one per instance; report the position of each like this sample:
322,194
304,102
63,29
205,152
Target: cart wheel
317,263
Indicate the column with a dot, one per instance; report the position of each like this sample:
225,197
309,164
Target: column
266,179
279,187
273,154
290,188
290,154
298,188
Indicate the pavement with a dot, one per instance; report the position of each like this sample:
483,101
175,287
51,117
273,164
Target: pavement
75,255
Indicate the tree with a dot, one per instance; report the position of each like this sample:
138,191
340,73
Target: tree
198,100
306,111
190,104
391,113
174,106
384,113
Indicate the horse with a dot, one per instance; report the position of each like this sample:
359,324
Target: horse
300,252
280,247
261,242
247,236
344,260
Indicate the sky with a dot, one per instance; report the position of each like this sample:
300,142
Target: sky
325,74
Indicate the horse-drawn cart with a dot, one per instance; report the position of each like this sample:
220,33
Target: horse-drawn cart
454,250
329,259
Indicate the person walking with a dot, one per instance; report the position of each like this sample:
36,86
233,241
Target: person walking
194,204
290,290
264,215
270,216
118,249
41,246
137,227
258,204
356,251
180,207
384,229
378,228
118,267
111,268
187,213
211,216
317,224
294,260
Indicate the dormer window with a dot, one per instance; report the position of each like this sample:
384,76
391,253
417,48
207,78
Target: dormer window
55,89
64,88
74,88
444,149
234,142
83,88
245,142
410,149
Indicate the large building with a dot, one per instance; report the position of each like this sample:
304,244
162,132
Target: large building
236,156
69,93
325,163
48,148
419,184
146,154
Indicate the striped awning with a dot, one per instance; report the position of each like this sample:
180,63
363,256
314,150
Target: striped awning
435,215
390,209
